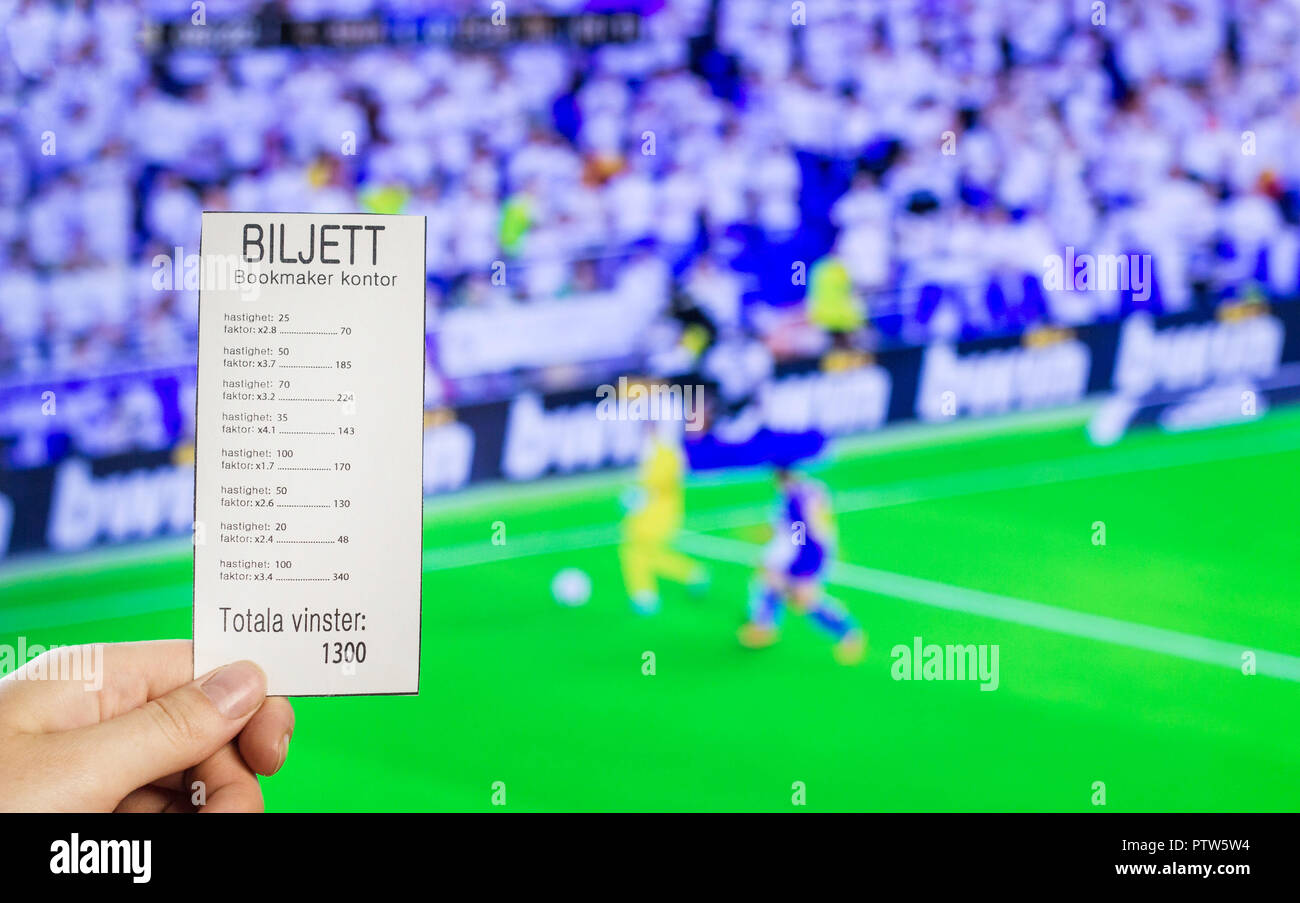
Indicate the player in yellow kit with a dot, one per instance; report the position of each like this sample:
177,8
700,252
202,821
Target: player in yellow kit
654,516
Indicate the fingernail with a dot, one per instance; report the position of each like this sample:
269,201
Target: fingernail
284,751
236,690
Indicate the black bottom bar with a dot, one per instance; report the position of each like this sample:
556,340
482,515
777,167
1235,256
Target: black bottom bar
299,852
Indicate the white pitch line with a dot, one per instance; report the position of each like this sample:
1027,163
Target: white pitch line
903,492
1020,476
1018,611
1115,462
469,554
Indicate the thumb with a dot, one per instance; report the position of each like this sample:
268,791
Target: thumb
173,732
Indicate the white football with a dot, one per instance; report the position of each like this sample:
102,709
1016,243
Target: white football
571,586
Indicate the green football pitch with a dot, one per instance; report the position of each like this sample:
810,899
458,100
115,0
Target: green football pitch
1163,664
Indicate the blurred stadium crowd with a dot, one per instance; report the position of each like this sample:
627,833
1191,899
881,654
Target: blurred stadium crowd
888,172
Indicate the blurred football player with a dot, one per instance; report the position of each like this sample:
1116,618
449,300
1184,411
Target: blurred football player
654,516
793,572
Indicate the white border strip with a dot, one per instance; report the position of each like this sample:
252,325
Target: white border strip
1018,611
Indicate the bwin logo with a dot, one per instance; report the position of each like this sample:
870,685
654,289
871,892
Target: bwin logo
103,857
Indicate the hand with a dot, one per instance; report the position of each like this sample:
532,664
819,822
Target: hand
130,731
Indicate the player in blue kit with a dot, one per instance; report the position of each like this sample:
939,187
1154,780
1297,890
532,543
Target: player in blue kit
794,569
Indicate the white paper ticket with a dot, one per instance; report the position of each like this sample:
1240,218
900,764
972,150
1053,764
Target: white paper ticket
308,450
